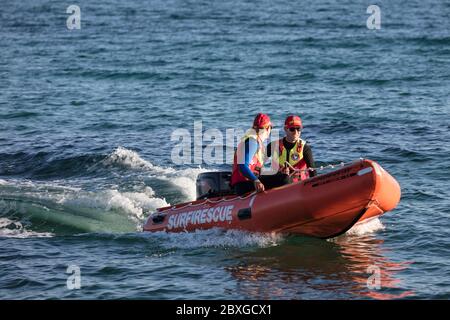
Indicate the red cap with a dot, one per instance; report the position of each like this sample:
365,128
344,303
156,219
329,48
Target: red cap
293,122
262,121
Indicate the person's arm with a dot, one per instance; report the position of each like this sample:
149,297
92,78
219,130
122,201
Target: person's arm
309,159
251,147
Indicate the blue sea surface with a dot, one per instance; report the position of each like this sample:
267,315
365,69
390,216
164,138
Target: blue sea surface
86,118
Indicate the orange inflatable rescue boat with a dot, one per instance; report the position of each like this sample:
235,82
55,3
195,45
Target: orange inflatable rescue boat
324,206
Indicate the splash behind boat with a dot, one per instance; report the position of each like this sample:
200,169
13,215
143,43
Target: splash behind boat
324,206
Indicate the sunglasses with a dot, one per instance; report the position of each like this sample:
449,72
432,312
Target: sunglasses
295,129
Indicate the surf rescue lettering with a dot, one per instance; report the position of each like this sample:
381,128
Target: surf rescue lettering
194,217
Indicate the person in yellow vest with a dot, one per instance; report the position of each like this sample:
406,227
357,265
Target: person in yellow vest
249,159
292,155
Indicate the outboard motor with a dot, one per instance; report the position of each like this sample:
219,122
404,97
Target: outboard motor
213,184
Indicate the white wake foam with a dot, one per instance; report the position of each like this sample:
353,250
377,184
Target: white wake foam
218,238
360,229
88,209
131,159
15,229
367,227
103,210
184,179
132,203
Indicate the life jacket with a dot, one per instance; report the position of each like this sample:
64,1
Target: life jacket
255,164
296,159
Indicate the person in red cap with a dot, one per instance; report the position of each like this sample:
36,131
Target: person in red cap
292,155
249,159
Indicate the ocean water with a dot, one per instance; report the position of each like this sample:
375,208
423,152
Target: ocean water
86,118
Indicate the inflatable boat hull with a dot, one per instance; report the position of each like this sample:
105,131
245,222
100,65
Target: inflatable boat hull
324,206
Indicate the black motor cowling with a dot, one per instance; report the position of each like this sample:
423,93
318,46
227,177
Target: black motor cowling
213,184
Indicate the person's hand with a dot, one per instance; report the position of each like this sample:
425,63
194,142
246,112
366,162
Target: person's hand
259,187
285,170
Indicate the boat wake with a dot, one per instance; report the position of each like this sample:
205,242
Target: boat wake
118,198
